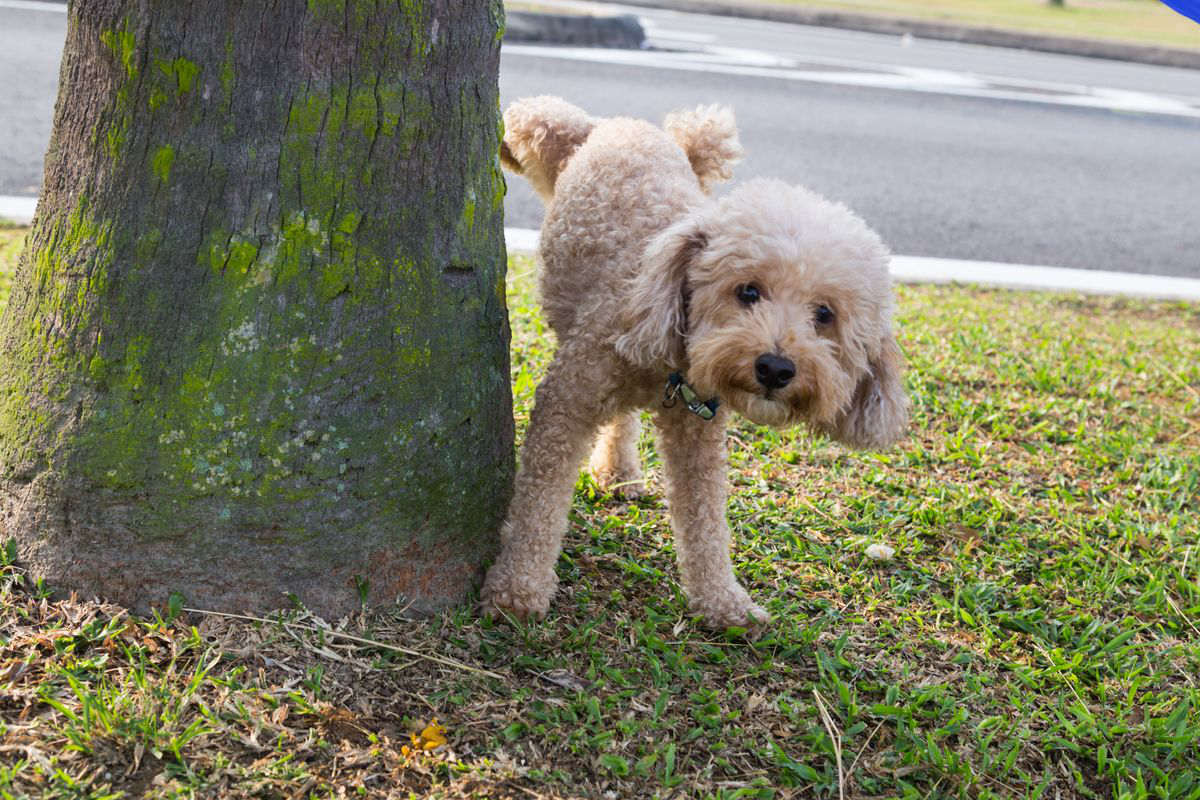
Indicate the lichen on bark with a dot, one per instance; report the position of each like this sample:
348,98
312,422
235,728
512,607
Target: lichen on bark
256,345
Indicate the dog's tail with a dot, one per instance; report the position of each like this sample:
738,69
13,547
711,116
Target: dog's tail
709,136
540,136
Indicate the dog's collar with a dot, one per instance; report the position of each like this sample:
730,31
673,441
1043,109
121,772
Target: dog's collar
677,387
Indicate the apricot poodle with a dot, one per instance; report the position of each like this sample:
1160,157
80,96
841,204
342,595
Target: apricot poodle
770,301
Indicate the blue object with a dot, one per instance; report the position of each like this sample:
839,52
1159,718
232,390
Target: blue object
1189,8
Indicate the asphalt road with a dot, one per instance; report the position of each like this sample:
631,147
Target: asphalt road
948,150
30,49
993,178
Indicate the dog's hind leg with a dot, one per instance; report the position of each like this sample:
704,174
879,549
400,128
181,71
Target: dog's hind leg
572,400
694,469
615,462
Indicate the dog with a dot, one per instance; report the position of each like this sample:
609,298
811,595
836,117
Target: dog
770,301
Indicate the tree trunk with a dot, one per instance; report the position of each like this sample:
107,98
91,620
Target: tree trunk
257,347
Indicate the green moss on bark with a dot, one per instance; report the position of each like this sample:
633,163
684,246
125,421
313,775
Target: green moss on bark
161,162
123,46
179,71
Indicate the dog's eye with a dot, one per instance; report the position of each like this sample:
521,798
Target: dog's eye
748,294
823,315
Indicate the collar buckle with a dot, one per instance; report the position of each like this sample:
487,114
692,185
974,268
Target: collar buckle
677,388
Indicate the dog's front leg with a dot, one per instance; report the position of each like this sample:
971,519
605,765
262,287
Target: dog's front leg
571,402
693,453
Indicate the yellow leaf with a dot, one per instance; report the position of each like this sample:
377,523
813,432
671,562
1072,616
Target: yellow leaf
432,737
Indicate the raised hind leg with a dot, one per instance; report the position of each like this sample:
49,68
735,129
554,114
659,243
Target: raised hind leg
615,462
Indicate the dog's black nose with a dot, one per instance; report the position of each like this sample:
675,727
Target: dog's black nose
773,371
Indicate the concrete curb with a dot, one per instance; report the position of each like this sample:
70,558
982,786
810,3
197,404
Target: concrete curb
1019,277
581,30
996,37
17,210
905,269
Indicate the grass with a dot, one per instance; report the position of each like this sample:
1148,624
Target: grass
11,240
1035,634
1137,21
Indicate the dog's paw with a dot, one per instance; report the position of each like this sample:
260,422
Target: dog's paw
730,608
506,598
627,485
631,489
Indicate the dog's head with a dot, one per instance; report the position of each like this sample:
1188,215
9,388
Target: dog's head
778,302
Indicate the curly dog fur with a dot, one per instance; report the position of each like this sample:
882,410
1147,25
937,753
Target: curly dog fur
772,299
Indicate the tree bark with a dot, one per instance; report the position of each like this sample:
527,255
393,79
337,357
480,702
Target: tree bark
257,346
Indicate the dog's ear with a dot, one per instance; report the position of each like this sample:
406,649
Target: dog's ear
653,324
878,413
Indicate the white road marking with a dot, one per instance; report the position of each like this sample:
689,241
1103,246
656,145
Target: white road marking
922,269
653,31
753,63
34,5
678,36
742,61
